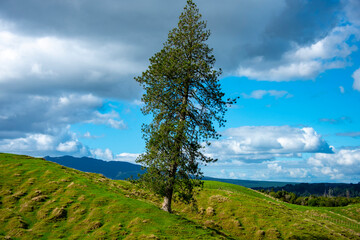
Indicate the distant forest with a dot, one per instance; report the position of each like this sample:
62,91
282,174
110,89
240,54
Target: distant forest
319,189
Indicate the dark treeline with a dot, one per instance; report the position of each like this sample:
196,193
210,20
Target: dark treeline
315,201
319,189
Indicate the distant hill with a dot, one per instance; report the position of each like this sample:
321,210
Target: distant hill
251,183
110,169
122,170
43,200
319,189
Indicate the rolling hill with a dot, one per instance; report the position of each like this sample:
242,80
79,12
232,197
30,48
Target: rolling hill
43,200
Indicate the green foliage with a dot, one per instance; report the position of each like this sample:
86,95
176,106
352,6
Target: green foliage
318,189
314,201
183,94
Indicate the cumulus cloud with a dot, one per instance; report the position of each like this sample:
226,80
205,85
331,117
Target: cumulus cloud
273,170
274,26
356,77
260,143
306,61
127,157
259,94
49,81
144,23
297,48
55,142
112,119
52,65
295,173
108,155
344,163
125,35
69,146
58,64
39,125
21,115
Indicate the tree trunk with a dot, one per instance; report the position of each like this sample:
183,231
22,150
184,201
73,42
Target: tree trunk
166,206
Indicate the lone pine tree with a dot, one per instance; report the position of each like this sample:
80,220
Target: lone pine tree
183,94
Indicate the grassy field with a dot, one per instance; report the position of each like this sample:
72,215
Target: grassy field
43,200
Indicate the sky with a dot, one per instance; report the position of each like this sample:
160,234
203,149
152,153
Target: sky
67,85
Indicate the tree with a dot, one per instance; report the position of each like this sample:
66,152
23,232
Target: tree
183,94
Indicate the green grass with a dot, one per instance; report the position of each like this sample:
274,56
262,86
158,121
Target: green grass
43,200
292,221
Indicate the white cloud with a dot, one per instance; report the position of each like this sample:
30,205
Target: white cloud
342,90
102,154
306,62
297,173
275,167
259,143
90,136
111,119
55,142
352,10
69,146
108,155
127,157
286,72
59,142
274,170
331,46
48,82
32,64
286,171
356,77
344,157
37,114
87,135
343,163
259,94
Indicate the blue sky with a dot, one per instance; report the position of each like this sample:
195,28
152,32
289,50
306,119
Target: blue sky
67,83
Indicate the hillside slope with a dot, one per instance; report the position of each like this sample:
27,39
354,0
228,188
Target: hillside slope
43,200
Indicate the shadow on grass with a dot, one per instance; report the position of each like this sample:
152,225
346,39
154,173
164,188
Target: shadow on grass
198,226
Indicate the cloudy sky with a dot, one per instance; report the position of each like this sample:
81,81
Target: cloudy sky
67,86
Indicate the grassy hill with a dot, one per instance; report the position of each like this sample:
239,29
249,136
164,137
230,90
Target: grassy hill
43,200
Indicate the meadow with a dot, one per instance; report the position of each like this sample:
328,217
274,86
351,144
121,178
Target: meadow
44,200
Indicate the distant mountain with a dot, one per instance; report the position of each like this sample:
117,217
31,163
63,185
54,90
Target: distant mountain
122,170
110,169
